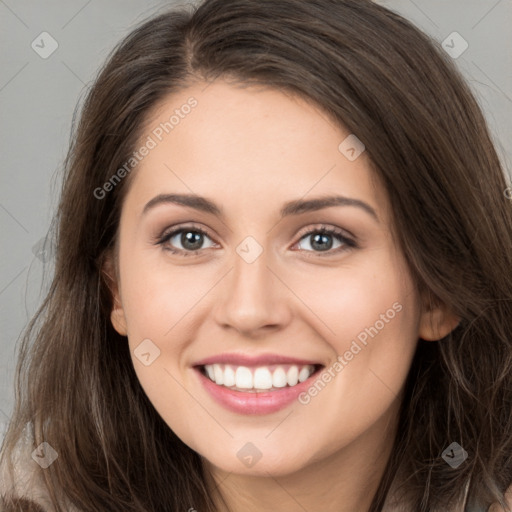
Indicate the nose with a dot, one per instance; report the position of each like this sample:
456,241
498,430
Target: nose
254,298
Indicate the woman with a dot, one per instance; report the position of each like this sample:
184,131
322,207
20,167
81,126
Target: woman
261,367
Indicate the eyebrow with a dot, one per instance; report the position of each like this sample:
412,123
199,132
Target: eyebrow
295,207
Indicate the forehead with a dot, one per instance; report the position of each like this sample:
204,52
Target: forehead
249,146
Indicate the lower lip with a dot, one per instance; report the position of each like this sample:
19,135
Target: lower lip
254,403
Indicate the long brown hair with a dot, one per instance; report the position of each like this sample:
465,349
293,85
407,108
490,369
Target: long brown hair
429,144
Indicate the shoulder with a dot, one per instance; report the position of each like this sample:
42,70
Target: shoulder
395,502
26,483
19,504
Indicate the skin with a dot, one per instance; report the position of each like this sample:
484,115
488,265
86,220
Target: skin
250,150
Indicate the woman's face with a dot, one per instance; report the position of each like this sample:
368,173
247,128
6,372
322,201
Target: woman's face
263,298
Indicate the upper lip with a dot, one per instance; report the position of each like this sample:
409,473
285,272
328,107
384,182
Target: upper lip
247,360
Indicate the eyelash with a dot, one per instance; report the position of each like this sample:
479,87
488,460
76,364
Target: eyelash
322,229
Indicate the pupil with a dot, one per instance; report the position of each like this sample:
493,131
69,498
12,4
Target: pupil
321,241
188,238
319,238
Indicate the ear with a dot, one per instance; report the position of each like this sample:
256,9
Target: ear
436,321
117,316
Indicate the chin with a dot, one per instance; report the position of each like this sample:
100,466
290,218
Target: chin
277,465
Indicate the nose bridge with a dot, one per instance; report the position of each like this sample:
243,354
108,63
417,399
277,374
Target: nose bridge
250,273
254,296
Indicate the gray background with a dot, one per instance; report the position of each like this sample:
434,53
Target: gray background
38,97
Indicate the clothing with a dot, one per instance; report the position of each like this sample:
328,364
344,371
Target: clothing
27,482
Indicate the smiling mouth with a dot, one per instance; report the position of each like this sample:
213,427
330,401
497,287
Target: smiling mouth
258,379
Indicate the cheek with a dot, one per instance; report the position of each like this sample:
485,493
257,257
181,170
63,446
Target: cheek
347,302
369,319
159,302
157,295
368,315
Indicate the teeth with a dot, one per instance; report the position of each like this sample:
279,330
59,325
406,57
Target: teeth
210,372
229,377
260,378
303,374
218,374
243,378
279,378
292,376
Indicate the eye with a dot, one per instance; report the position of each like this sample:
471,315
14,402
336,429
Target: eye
321,242
191,239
